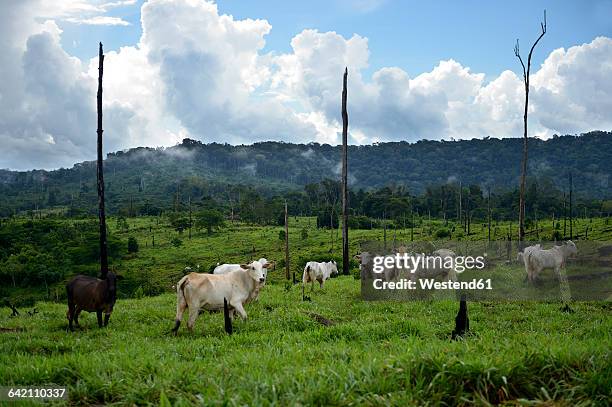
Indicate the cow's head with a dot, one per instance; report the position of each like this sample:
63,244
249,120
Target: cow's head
571,248
111,287
267,265
333,267
256,271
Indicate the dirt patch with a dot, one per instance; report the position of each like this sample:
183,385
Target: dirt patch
321,319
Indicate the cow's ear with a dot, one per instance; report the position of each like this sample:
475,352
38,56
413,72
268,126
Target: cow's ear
267,265
244,266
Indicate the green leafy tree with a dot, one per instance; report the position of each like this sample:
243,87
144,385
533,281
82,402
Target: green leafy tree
179,222
209,219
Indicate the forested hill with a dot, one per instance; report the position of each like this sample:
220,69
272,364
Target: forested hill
146,174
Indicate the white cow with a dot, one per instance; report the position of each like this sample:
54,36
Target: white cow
522,256
555,258
206,291
226,268
319,272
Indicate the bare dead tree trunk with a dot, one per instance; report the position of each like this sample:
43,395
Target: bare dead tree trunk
489,214
100,174
564,215
571,211
286,243
526,72
345,241
412,226
460,202
190,219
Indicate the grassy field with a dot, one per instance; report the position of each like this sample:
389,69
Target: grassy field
374,353
157,268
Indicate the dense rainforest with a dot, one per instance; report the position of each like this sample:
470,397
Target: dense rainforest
385,178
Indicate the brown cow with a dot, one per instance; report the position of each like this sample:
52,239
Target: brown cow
91,294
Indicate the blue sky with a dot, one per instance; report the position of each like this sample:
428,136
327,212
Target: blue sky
413,35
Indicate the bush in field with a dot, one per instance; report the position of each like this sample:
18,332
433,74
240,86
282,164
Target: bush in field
442,233
304,234
132,245
360,222
281,235
179,222
209,219
176,242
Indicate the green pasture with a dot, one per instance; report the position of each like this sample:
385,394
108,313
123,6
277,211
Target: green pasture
372,353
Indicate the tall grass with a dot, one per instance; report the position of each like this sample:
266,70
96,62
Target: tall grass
374,353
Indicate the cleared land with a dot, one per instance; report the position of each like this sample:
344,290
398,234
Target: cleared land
372,353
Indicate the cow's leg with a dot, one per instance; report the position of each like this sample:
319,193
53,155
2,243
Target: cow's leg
530,273
70,315
181,306
77,312
193,315
321,282
106,317
558,271
99,315
240,310
536,275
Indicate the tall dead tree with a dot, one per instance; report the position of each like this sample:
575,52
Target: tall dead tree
100,174
571,209
190,218
526,72
460,208
489,214
286,243
345,242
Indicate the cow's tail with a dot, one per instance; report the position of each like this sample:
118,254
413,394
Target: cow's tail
530,265
306,276
181,302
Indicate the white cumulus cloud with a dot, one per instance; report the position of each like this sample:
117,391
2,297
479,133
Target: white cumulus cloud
199,73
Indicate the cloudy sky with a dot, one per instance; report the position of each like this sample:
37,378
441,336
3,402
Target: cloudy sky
241,71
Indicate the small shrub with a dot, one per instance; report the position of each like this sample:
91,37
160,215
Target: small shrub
443,233
304,234
176,242
132,245
139,293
